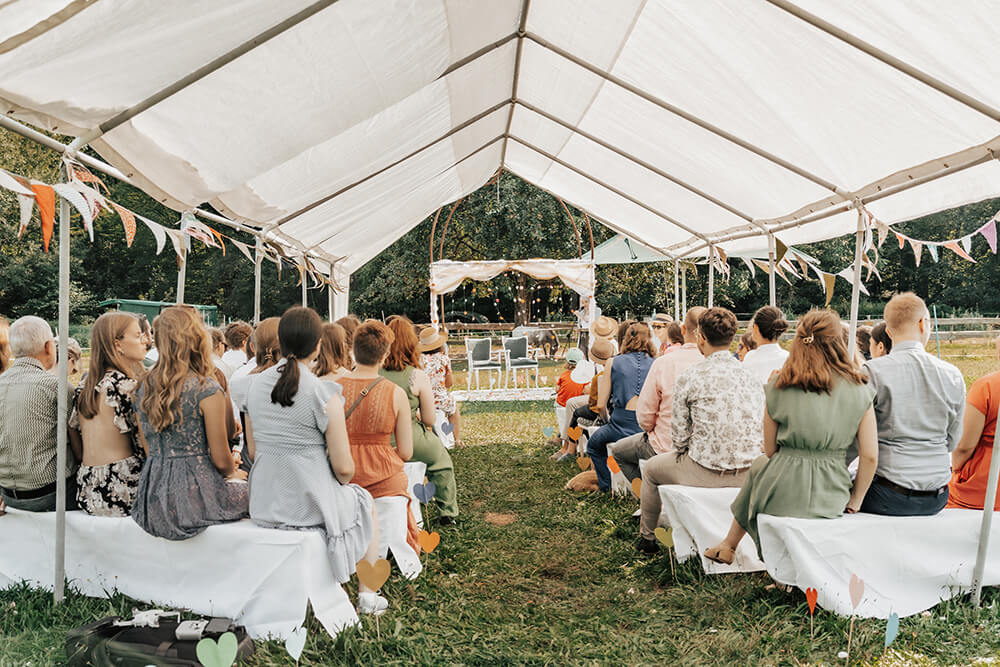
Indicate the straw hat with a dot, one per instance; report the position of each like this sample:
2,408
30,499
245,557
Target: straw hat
662,317
604,326
431,340
601,351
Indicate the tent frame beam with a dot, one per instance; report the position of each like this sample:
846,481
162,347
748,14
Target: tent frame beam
521,32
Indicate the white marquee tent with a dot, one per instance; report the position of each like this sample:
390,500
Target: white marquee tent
335,127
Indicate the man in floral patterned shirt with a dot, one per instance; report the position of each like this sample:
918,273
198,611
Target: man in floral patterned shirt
716,423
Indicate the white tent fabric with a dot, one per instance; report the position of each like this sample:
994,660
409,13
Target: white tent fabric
678,123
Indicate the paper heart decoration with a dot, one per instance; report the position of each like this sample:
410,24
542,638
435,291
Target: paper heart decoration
665,536
613,465
217,654
574,433
373,576
857,588
891,628
583,462
637,487
424,492
548,431
447,428
295,642
811,596
428,541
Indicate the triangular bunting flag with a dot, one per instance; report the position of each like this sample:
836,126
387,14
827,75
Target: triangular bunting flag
8,182
81,174
989,232
94,198
883,232
128,222
177,238
27,204
45,196
69,193
954,247
848,274
917,248
218,236
787,265
933,250
243,248
763,266
159,231
967,243
901,239
779,250
829,283
753,271
777,269
804,265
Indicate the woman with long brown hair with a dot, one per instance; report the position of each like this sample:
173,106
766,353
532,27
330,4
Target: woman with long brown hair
816,406
404,367
191,479
334,360
620,388
267,353
103,419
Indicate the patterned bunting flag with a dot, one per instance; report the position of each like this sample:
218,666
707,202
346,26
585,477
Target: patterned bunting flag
128,222
9,182
77,200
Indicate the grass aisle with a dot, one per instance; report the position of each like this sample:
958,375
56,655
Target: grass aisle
538,575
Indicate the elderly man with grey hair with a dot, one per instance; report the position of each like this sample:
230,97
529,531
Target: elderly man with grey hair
28,422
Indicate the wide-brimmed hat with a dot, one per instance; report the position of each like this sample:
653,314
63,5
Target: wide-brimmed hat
601,351
431,340
604,326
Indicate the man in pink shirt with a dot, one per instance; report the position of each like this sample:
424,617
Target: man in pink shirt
653,408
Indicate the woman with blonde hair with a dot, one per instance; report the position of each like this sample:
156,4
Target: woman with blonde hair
191,479
404,367
334,358
818,403
103,421
4,344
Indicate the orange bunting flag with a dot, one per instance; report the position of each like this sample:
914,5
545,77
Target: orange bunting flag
901,239
46,198
958,250
128,222
222,244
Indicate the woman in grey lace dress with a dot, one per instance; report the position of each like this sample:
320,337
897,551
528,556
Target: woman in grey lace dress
191,479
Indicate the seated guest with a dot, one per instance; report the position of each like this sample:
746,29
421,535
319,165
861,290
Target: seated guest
970,462
604,327
4,344
72,360
816,406
660,326
378,412
29,405
715,423
237,333
655,400
191,479
746,344
103,418
919,401
267,351
863,335
402,367
767,326
303,467
434,353
619,391
334,359
218,350
880,344
582,410
566,389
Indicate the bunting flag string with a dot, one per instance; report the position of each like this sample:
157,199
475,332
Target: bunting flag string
960,246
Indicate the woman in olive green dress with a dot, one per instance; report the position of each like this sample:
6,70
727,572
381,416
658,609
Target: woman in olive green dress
403,367
816,405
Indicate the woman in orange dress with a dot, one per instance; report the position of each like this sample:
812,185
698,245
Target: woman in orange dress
376,410
970,462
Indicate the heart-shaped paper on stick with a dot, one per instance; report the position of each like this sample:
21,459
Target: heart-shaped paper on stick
428,541
891,628
373,576
424,492
295,642
665,536
637,487
857,588
217,654
447,428
583,462
811,596
613,465
574,433
548,431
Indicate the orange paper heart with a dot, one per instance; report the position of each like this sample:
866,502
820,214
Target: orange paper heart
637,487
428,541
373,576
583,462
613,465
575,433
811,596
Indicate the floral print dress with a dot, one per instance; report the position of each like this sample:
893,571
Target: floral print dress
109,490
437,366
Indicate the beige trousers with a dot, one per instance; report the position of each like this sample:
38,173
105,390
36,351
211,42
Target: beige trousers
674,468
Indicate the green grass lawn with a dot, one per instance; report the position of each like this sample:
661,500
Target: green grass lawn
561,584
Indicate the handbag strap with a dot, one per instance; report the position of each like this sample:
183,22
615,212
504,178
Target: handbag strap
361,397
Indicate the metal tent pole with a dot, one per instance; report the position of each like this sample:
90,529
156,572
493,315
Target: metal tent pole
182,275
852,343
329,303
711,277
63,402
984,530
677,292
257,259
684,291
305,288
772,296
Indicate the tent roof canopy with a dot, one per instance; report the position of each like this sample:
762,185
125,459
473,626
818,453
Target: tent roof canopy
340,126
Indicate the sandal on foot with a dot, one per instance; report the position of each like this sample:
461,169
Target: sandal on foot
721,554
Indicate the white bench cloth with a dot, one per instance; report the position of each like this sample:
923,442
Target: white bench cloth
259,577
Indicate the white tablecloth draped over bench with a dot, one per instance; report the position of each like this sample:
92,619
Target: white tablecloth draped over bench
261,578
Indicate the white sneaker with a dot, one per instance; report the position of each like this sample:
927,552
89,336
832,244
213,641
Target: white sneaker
372,603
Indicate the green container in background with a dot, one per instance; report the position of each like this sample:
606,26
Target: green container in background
152,308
